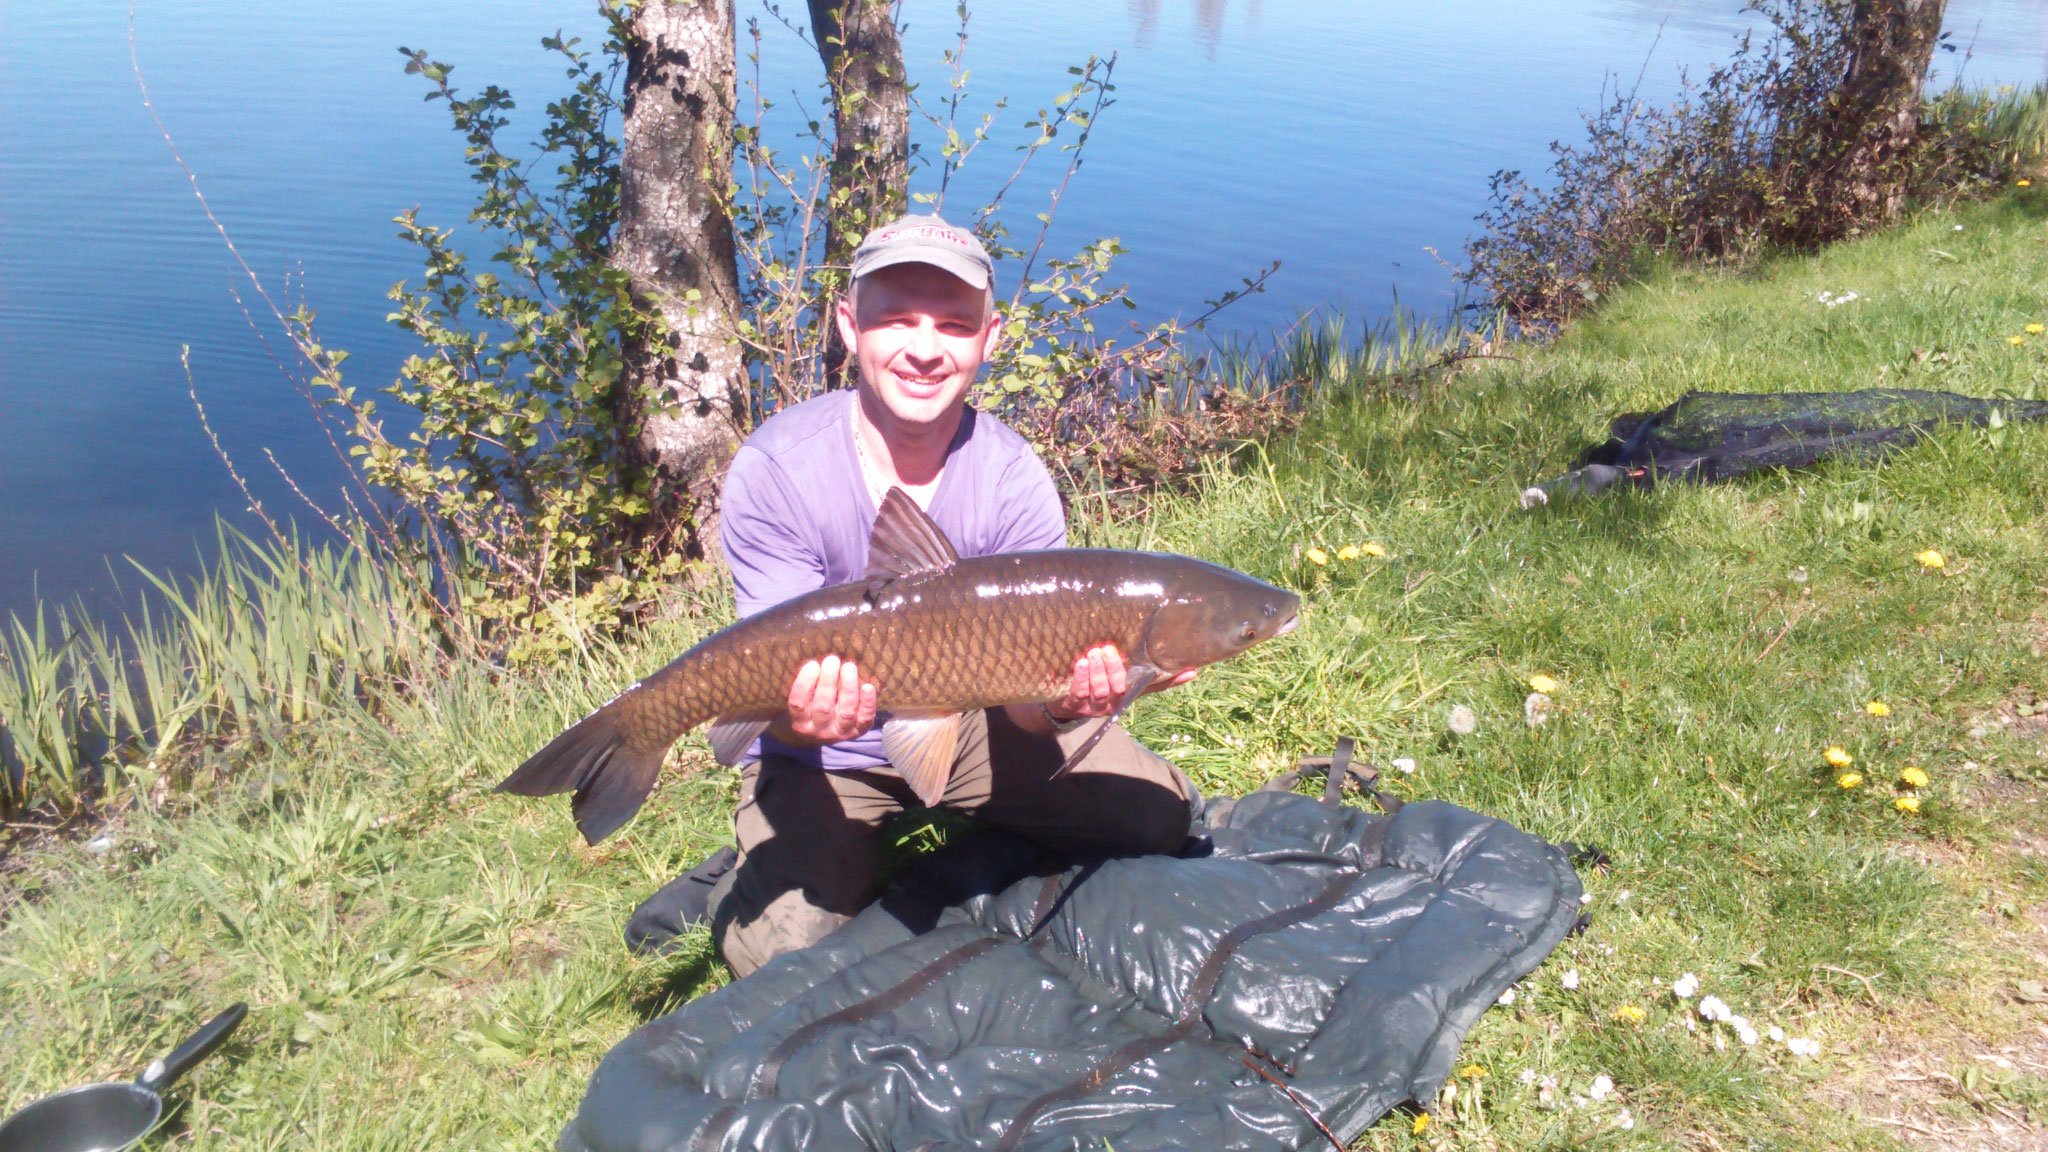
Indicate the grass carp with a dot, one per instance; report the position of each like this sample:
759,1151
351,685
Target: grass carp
938,635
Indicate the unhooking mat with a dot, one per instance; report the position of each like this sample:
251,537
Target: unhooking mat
1303,969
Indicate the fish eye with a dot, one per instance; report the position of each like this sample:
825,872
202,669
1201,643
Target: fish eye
1251,632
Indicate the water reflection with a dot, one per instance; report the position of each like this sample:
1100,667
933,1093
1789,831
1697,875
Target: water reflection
1209,19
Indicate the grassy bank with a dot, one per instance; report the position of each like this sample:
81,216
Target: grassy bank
431,965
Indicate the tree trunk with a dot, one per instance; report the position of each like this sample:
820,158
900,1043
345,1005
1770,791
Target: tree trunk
683,409
1875,115
870,171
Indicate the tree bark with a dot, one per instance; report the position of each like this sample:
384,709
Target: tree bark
870,171
1875,118
683,409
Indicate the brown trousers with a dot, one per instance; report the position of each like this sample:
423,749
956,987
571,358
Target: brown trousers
810,840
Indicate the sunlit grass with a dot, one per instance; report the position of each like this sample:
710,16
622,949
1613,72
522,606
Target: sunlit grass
432,964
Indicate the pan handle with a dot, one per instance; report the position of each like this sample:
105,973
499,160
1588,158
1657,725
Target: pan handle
196,1047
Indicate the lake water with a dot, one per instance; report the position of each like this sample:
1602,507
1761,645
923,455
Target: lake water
1343,139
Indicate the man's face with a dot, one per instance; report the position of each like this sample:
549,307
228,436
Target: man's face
919,335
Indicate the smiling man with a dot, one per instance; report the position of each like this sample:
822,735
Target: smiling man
800,502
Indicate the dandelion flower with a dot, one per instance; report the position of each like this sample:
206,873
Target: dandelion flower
1630,1014
1907,803
1570,980
2015,339
1372,550
1839,757
1878,708
1931,559
1913,777
1685,986
1348,552
1849,780
1317,555
1421,1124
2036,329
2024,182
1472,1071
1543,684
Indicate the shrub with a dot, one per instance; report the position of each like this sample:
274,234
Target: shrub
1747,161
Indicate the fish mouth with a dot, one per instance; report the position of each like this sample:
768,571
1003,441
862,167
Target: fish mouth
1291,624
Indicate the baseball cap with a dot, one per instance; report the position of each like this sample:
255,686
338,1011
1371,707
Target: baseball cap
925,239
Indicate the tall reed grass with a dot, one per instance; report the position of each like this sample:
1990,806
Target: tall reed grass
264,636
1327,352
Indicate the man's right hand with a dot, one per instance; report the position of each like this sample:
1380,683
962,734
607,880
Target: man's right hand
828,703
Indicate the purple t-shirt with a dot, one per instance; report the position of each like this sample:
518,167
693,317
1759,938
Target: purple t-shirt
797,516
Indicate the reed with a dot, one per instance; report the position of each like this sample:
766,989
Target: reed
264,636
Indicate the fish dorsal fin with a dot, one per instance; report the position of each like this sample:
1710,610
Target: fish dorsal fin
906,542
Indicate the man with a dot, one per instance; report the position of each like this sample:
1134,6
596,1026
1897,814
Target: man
799,504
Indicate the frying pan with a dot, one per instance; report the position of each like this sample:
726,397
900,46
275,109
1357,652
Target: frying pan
111,1116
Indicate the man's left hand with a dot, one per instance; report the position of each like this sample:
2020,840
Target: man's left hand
1100,679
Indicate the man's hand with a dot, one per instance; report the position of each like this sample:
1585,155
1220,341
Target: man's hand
828,703
1100,679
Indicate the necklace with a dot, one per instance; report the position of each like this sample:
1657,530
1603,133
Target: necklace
870,474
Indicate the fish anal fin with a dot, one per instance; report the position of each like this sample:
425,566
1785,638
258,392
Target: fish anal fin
1137,678
921,746
905,542
731,736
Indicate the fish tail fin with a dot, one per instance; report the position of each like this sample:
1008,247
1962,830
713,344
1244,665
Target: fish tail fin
610,776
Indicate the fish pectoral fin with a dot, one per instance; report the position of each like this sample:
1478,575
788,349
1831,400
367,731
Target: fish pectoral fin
731,736
1137,678
905,542
922,746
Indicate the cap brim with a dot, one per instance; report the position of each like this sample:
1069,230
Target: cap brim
944,259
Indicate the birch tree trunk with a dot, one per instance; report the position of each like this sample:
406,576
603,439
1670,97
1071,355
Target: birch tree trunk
1875,118
870,171
684,406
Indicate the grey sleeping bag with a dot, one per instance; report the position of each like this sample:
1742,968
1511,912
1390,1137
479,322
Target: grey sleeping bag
1304,963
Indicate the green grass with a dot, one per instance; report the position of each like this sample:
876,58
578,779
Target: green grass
431,964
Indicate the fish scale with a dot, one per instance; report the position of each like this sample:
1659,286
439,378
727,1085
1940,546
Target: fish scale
936,634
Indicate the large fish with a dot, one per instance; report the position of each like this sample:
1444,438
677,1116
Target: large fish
937,635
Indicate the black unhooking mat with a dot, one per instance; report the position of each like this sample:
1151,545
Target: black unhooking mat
1304,966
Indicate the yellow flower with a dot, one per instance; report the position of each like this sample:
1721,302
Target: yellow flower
1913,777
2036,329
1373,550
1319,556
1630,1014
1878,708
1839,757
2024,182
1472,1071
1849,779
1421,1124
1543,684
2015,339
1907,803
1348,552
1931,559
